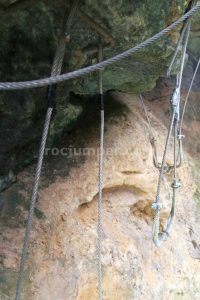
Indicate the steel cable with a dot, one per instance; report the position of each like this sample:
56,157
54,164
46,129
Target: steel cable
98,66
57,65
100,200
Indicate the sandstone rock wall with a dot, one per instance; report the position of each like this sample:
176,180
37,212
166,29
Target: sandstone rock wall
29,36
63,259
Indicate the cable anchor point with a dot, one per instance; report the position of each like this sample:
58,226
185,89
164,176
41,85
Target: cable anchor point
156,206
180,136
176,184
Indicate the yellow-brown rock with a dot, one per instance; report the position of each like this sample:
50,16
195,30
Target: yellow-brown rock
63,256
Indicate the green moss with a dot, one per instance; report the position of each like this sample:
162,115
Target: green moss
27,52
195,46
8,279
14,204
194,42
7,284
39,214
129,23
64,119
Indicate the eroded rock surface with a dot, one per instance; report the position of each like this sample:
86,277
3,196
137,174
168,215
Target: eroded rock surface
29,36
63,258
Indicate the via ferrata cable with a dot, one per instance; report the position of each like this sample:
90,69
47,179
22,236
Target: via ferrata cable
56,70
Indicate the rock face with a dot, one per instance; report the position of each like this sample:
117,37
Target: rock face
63,260
29,36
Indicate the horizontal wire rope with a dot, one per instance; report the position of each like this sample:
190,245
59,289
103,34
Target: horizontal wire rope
98,66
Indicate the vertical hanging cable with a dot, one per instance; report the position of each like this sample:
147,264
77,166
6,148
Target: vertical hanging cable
189,91
100,200
32,204
56,70
157,236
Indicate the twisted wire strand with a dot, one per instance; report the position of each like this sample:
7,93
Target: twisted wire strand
57,65
170,220
32,205
152,139
177,49
100,65
188,94
151,135
179,82
157,238
180,77
100,199
160,237
100,208
176,184
181,154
